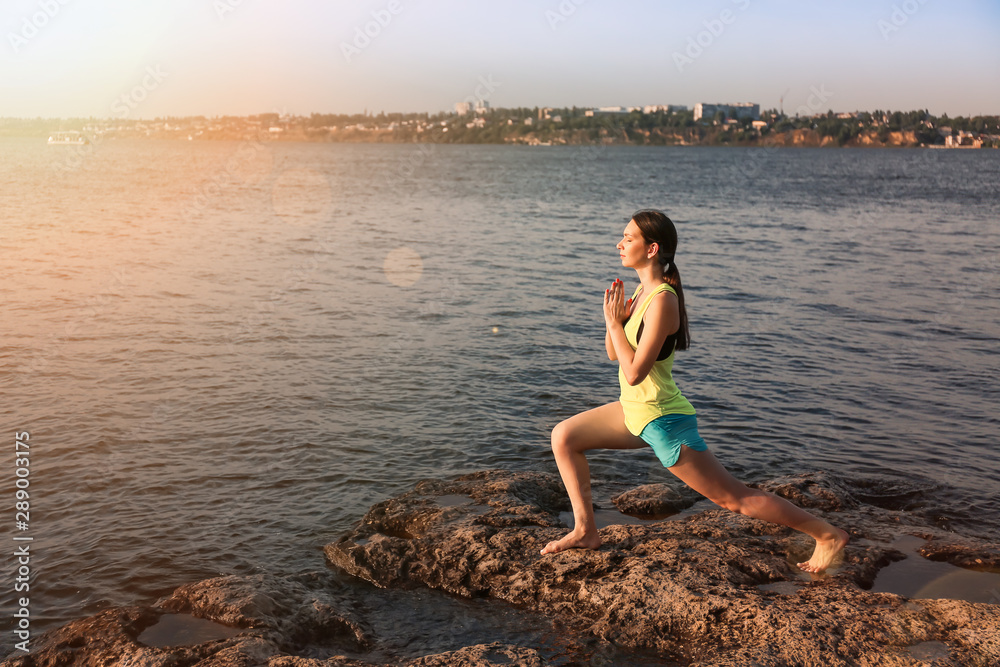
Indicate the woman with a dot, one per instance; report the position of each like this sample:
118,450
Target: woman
651,409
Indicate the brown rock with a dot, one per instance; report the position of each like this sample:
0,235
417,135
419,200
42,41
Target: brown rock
482,655
303,621
279,614
654,501
714,586
705,587
964,554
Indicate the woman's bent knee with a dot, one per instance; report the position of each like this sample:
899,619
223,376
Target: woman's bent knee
566,439
560,437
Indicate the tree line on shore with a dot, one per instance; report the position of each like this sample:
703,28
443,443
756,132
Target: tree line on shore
572,125
548,124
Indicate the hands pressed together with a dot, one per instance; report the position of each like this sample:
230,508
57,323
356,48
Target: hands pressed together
616,308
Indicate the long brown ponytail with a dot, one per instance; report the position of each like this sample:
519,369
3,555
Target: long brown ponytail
657,228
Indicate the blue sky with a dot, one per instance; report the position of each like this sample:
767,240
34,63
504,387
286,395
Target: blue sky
240,57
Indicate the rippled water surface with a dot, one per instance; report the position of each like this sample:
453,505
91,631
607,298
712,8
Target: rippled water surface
225,353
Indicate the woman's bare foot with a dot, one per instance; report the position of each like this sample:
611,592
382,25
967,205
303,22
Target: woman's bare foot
573,541
826,550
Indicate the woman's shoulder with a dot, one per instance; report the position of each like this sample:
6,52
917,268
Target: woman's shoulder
660,298
665,287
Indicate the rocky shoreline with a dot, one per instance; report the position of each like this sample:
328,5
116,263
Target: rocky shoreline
701,586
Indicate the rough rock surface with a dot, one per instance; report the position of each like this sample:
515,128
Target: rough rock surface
306,621
654,500
704,587
712,586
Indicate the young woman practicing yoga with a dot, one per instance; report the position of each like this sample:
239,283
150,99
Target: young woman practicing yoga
642,336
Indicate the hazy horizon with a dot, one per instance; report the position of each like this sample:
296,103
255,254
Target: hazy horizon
374,113
113,59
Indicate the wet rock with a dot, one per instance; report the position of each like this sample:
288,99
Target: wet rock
812,491
688,589
304,621
108,637
704,587
278,615
654,500
483,655
291,613
975,556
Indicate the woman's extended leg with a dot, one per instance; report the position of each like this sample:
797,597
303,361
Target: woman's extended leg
702,472
600,428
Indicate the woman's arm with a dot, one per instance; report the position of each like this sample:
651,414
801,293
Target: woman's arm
609,346
661,317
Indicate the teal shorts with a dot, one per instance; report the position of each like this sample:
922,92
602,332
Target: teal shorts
666,434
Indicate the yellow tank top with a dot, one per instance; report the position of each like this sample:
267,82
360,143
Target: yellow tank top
656,395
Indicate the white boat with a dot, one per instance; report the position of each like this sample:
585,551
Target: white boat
68,139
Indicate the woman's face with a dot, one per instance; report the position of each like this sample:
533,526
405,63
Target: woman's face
632,247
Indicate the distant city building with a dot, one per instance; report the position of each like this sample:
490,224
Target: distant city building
545,113
477,122
664,108
462,108
759,124
963,139
739,110
608,111
482,106
529,121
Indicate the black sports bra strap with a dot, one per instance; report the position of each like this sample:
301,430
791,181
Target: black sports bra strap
668,345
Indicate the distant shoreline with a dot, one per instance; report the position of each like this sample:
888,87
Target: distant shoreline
547,127
791,139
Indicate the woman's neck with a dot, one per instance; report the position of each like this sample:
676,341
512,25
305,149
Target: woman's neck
650,276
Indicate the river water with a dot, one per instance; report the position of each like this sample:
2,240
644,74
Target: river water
225,352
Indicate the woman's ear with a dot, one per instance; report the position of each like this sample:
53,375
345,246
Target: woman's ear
654,248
